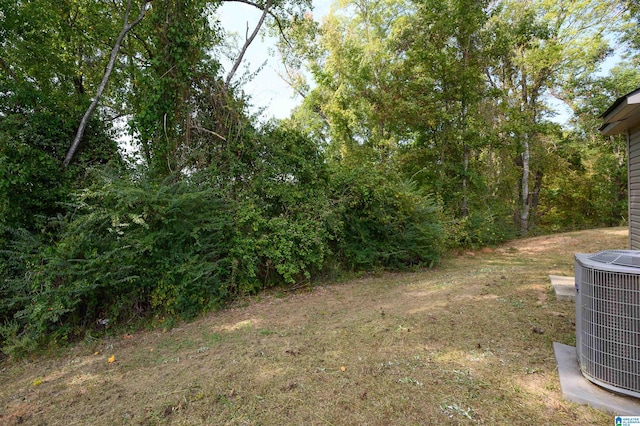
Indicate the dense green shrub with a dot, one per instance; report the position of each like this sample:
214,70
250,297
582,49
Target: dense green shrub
385,221
279,187
33,183
125,249
130,247
481,228
20,256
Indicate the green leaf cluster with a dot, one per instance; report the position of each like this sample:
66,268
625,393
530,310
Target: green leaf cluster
129,246
385,220
124,249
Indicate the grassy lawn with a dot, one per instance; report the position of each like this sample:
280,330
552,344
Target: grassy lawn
468,342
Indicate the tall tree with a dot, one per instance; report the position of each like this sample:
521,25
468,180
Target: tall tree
127,26
357,75
175,73
176,39
539,45
444,46
591,190
630,34
49,53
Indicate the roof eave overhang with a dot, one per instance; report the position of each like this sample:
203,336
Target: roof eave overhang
623,115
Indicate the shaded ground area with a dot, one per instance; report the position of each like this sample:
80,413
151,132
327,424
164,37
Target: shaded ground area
469,342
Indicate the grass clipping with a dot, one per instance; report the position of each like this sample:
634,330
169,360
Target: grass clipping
467,343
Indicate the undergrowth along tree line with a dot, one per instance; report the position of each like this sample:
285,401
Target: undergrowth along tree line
426,127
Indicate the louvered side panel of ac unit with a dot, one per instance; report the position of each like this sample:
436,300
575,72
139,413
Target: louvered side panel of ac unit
608,328
579,271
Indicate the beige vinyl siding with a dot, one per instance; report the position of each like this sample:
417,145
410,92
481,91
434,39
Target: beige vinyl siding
634,189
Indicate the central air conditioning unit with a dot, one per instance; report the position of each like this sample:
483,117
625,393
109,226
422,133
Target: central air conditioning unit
608,319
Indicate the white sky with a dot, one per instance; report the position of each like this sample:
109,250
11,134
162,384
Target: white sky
267,89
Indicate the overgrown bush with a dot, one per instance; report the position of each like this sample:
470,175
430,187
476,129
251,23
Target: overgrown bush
129,247
289,185
33,184
385,221
126,249
20,256
481,228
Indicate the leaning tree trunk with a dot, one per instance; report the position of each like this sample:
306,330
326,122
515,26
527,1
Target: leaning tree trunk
127,26
247,43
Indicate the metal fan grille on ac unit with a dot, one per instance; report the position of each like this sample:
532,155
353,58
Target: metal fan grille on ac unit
618,257
608,322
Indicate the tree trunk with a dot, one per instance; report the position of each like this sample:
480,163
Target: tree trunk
535,198
465,162
128,26
526,197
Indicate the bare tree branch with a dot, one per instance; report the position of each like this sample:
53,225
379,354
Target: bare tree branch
144,44
211,132
290,80
273,15
127,26
247,43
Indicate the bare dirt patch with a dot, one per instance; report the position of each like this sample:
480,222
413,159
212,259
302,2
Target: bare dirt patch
468,342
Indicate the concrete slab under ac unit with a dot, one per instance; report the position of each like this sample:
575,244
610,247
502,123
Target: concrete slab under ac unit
576,388
565,287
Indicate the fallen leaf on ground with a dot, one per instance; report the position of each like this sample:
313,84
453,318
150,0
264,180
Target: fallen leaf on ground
111,359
